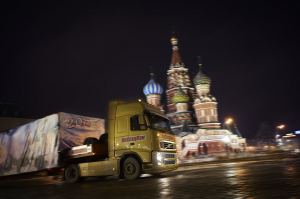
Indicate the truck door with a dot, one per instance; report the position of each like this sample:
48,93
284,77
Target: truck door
122,134
140,135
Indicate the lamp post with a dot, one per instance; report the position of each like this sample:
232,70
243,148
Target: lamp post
279,134
231,126
279,129
227,123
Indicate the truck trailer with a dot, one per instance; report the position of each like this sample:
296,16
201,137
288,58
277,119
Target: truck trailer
137,140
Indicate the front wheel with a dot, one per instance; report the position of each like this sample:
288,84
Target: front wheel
131,168
72,173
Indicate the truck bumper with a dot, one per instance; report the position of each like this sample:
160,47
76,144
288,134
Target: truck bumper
150,168
161,162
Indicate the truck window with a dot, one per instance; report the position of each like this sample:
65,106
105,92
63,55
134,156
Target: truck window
135,124
158,123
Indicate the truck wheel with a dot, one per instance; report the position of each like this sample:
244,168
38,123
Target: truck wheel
72,173
131,168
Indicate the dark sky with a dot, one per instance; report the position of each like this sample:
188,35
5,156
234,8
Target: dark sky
75,56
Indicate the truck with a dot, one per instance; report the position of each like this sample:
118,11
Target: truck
138,139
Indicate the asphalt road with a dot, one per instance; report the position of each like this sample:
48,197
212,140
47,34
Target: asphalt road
278,178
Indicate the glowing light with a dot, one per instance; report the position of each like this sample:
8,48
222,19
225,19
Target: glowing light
281,126
289,135
229,121
159,157
251,148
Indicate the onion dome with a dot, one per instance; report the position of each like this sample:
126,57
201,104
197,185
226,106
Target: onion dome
201,78
152,87
180,97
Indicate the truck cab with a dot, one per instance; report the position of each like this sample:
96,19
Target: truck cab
139,140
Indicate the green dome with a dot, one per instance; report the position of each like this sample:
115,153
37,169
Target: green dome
201,78
180,97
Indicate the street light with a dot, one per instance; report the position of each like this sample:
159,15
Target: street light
229,121
280,129
281,126
230,125
279,134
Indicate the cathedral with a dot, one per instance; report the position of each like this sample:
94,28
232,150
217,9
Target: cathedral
192,110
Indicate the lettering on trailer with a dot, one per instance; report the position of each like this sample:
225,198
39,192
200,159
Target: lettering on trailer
74,122
133,138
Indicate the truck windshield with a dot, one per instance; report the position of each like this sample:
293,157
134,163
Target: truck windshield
158,123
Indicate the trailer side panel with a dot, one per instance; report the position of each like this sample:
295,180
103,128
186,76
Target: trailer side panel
30,147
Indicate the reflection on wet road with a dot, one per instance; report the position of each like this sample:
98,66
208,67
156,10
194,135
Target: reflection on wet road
253,179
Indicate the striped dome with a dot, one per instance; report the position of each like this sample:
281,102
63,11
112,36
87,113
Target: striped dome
153,88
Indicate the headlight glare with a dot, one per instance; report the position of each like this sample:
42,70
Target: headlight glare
159,157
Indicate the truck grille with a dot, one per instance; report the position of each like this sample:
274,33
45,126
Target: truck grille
169,155
169,162
164,158
169,158
167,145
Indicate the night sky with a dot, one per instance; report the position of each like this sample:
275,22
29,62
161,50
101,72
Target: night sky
75,56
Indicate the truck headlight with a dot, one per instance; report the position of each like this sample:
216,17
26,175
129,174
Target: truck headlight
158,158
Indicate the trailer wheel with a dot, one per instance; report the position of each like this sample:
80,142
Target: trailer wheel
72,173
131,168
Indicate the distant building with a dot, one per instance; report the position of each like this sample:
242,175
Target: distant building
265,138
290,141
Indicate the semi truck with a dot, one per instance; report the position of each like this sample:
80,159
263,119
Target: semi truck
137,140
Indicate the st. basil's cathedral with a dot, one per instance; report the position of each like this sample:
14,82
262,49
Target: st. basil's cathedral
192,111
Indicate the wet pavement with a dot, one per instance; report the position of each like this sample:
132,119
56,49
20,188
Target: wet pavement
279,178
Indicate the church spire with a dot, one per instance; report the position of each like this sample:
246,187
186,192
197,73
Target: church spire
176,58
199,60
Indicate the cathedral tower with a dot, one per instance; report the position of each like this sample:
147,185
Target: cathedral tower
205,104
180,92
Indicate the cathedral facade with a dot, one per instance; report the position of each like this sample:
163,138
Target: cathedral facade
192,110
